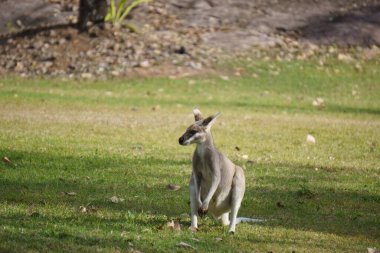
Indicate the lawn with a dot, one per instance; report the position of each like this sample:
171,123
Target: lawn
73,145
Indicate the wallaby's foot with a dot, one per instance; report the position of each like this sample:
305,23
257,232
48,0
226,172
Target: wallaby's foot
202,212
193,229
231,232
225,219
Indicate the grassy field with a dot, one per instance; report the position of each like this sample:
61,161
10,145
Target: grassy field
74,145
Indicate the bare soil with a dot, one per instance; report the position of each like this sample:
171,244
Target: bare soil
192,34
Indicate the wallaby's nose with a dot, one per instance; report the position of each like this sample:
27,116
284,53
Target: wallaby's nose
180,140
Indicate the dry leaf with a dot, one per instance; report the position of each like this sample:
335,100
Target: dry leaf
35,214
245,157
174,225
87,209
70,193
6,160
184,245
156,108
319,102
310,139
218,239
115,199
225,78
170,224
173,187
135,251
372,250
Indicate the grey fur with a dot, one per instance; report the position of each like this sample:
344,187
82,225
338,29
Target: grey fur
216,185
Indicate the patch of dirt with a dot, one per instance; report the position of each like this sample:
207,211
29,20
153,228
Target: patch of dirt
179,35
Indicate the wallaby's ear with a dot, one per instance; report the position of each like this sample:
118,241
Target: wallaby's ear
208,122
197,114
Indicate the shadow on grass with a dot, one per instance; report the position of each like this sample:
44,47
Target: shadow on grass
300,198
57,236
43,180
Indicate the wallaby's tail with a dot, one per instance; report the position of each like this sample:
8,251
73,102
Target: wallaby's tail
249,220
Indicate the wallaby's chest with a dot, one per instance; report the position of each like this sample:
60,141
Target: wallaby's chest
203,169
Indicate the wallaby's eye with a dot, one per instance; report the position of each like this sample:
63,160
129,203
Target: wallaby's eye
192,132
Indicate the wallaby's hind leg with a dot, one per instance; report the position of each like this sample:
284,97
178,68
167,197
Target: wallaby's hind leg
225,219
237,194
194,206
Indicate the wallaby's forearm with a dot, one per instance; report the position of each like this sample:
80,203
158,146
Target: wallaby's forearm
197,186
214,185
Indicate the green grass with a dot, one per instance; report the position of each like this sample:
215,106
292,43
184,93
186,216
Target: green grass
88,138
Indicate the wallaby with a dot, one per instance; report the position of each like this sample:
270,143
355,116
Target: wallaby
216,184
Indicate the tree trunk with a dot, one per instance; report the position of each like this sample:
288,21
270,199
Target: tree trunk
93,11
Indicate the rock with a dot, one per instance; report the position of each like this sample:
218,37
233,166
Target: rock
86,75
144,64
10,64
345,57
19,67
195,65
46,57
115,73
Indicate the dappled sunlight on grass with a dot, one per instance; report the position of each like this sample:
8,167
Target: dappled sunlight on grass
72,146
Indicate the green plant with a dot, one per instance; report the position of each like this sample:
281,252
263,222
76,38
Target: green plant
117,12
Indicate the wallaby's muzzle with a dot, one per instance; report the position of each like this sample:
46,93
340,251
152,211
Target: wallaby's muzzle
181,140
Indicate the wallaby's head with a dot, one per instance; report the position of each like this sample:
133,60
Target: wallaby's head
197,132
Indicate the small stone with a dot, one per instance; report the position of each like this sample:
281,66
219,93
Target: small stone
144,64
196,65
53,33
86,75
115,73
10,64
345,58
